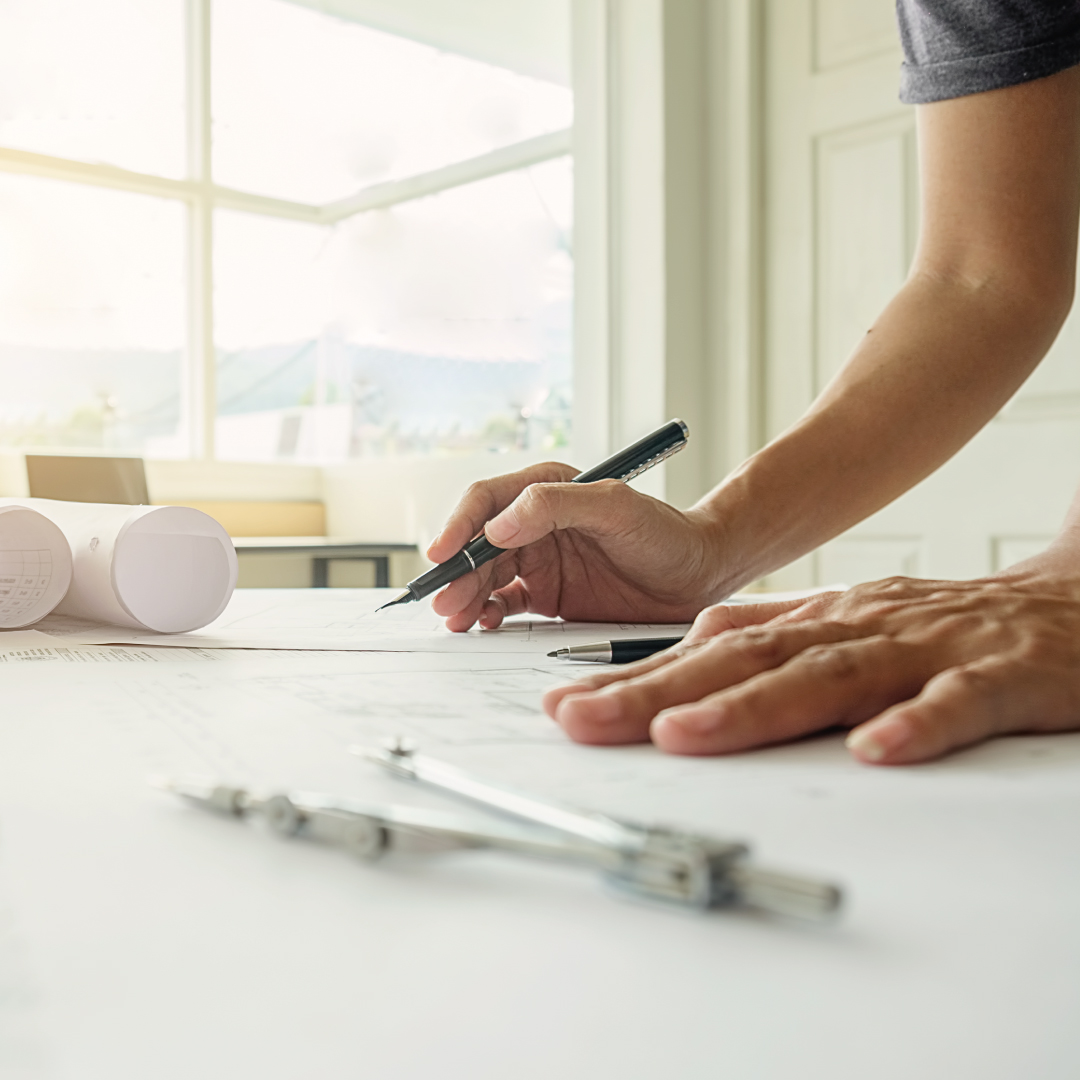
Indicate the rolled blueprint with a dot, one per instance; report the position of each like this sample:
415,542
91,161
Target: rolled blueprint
35,566
163,568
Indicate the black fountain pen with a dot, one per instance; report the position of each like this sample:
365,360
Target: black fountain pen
625,465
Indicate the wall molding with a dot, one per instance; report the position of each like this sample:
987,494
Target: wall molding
668,231
900,132
831,51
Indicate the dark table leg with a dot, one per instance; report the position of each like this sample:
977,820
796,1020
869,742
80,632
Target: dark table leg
320,570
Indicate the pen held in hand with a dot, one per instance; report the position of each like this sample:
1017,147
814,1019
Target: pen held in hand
655,447
615,652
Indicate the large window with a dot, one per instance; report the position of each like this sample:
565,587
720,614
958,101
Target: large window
251,230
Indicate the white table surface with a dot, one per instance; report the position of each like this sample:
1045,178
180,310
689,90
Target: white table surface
143,939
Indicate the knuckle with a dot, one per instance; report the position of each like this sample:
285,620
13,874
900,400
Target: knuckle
847,661
761,646
865,605
974,680
989,587
958,625
477,491
877,611
714,619
539,498
949,596
890,588
833,662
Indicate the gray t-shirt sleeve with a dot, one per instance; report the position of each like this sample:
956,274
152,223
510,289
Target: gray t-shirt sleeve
958,47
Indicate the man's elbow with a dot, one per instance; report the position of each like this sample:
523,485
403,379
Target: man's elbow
1036,294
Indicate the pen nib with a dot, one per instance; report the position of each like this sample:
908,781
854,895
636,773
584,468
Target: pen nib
404,598
555,653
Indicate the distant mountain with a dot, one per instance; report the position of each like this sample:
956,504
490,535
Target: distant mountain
120,399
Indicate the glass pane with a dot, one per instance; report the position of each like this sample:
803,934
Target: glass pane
101,81
438,325
91,318
312,108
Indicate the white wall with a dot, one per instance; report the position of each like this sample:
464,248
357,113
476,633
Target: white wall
667,230
406,499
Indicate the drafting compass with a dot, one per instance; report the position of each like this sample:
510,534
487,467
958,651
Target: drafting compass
667,864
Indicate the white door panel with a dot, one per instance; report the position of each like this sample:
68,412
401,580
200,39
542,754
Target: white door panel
1053,390
863,233
851,30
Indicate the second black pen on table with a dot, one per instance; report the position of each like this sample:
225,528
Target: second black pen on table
615,652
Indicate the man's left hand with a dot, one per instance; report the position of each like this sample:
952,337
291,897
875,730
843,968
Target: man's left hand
915,668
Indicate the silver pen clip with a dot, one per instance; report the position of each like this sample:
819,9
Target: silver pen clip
668,864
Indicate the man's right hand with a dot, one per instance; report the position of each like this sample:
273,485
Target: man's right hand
597,552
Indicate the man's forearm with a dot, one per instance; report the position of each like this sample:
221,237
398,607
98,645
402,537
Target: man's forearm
935,368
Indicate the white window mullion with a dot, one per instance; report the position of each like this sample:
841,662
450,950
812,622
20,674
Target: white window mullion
201,401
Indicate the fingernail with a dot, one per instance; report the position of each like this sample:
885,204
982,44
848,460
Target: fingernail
595,708
504,527
875,742
692,721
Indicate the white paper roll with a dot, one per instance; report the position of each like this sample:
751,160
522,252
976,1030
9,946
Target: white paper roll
164,568
35,566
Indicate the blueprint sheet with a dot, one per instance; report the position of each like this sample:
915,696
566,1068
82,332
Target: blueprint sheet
140,937
346,619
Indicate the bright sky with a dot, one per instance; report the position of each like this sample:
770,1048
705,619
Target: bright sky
466,273
306,107
100,81
312,108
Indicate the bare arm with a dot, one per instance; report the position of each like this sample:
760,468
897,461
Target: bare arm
991,283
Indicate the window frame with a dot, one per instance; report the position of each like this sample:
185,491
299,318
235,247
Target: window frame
202,196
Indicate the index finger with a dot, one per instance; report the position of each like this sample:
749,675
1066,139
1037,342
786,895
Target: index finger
484,499
622,711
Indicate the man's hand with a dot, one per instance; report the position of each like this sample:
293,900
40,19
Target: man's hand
598,551
916,669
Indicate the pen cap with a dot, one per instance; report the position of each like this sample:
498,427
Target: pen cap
639,456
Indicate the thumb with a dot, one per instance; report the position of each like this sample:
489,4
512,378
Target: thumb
605,506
